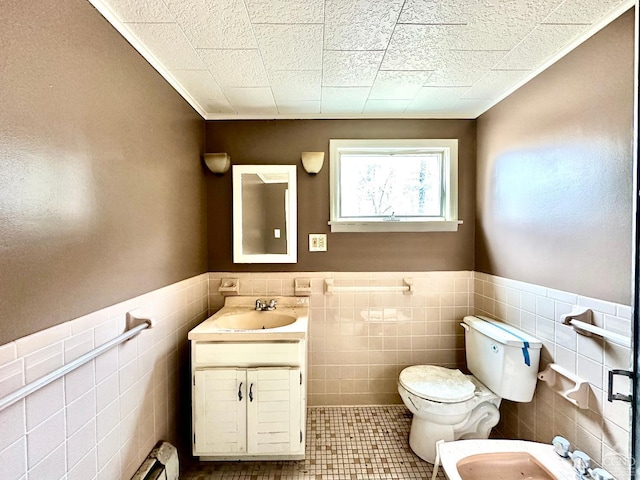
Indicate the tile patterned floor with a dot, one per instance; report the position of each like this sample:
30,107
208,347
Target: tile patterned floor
343,443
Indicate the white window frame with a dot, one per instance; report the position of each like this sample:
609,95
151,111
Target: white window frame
448,148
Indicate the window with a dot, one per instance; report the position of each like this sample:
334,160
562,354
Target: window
394,185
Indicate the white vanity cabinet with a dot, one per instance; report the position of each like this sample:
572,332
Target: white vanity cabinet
249,400
251,411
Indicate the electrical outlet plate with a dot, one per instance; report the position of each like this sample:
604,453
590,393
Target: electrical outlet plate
317,242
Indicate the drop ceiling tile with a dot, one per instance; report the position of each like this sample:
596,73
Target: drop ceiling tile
431,99
199,83
437,11
168,44
350,68
286,11
469,108
344,99
290,47
217,107
396,85
296,86
299,107
503,12
235,68
213,23
502,24
385,106
360,25
464,67
141,11
581,11
419,47
252,100
495,83
539,45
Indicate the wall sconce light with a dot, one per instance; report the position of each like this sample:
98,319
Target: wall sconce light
218,163
312,161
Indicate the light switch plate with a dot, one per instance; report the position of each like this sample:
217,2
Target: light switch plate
317,242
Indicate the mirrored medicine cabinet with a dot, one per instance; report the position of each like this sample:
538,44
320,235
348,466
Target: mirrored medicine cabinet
264,214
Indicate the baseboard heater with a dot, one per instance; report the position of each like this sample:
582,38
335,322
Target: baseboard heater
161,464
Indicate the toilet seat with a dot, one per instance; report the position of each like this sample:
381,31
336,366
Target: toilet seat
438,384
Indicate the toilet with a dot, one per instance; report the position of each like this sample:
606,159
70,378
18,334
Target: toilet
448,405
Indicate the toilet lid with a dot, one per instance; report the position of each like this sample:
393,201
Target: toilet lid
439,384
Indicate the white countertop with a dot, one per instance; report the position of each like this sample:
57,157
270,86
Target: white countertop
297,307
452,452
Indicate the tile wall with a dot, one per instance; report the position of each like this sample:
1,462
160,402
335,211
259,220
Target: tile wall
101,420
602,430
360,341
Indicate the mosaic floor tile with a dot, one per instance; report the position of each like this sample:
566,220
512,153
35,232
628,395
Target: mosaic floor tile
343,443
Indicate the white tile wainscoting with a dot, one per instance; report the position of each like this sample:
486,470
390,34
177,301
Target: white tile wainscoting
101,420
602,430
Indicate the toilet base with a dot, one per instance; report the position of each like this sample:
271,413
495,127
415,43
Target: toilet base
425,434
422,435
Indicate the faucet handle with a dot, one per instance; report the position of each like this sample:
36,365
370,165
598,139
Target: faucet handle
260,304
581,462
272,303
600,474
561,446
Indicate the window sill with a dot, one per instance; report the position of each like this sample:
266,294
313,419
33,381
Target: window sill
433,226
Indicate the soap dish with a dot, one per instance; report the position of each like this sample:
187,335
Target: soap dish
229,286
302,286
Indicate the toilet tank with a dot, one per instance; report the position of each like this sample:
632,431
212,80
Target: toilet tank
502,357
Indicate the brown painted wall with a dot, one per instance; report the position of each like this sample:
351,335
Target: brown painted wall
101,187
555,173
282,141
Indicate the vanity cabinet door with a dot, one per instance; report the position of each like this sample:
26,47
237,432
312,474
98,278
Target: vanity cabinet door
220,413
273,410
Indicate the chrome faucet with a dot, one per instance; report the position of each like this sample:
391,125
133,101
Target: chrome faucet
262,305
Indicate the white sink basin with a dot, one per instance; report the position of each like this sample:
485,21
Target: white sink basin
254,320
238,321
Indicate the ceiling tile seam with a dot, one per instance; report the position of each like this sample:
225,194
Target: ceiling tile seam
412,70
528,35
552,12
395,25
435,24
150,23
563,24
286,23
480,50
235,49
264,66
351,50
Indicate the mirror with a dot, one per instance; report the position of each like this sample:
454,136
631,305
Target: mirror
264,214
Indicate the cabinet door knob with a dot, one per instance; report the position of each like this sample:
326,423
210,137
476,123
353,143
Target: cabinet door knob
240,392
251,393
